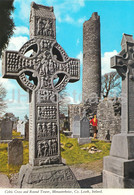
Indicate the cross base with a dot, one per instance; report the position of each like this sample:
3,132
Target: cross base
48,176
118,168
118,173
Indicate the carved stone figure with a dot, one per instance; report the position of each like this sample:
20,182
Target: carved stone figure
35,73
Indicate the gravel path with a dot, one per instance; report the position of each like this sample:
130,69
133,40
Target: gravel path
86,178
4,181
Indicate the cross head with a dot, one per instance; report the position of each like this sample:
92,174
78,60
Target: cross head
124,64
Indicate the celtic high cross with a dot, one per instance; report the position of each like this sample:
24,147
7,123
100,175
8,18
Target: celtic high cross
43,69
124,64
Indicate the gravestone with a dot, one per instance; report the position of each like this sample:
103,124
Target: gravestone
6,129
21,127
84,123
43,73
76,127
27,131
15,152
84,131
119,166
15,125
81,129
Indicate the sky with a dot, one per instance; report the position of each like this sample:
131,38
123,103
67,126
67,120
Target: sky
116,18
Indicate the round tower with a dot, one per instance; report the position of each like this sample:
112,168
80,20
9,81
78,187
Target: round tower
91,58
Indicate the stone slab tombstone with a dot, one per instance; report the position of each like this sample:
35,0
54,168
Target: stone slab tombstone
21,127
15,152
6,129
76,126
84,128
43,73
15,125
27,131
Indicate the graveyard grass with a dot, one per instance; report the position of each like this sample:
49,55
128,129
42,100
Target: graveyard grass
10,169
73,153
70,151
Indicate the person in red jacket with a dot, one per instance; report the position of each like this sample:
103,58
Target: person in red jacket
94,122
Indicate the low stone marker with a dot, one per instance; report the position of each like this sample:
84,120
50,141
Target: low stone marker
119,166
81,129
76,127
15,152
6,129
21,127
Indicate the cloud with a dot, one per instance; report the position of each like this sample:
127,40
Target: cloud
16,43
73,100
61,8
81,2
24,11
77,4
8,84
80,56
69,19
105,61
20,109
16,97
81,20
21,30
78,41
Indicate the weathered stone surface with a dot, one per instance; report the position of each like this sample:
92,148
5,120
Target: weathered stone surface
21,127
44,73
15,152
56,176
91,58
84,140
109,119
90,107
123,146
48,63
119,166
15,125
118,172
76,127
27,131
73,110
6,129
84,128
81,129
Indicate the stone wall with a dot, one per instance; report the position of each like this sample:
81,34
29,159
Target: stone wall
91,57
109,119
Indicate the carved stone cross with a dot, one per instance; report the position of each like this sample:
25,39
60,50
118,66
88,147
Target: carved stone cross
43,69
124,64
118,167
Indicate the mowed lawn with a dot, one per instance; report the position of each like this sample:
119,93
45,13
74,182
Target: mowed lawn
71,151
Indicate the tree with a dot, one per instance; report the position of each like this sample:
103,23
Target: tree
64,100
2,96
6,23
110,82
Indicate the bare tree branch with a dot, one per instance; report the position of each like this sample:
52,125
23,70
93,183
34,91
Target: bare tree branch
110,81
